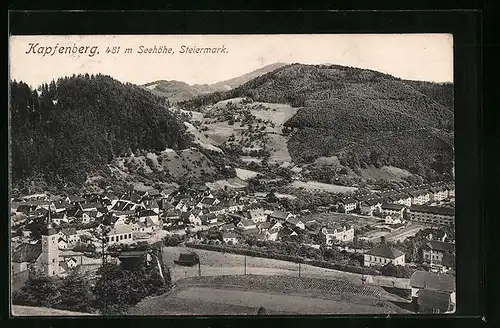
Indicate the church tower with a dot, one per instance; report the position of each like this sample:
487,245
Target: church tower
50,250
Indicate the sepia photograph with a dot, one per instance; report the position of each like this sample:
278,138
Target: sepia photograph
234,175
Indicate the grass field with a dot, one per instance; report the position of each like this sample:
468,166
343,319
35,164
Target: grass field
244,174
319,186
244,295
226,264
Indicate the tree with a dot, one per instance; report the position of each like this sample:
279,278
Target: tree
75,294
38,290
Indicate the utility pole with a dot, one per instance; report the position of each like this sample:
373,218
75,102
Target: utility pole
245,265
299,269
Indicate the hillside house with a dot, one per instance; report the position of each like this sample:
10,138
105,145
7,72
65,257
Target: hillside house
87,207
272,234
439,255
339,233
432,214
395,211
370,206
383,254
246,224
347,205
295,222
433,293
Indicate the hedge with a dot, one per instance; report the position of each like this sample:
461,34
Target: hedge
277,256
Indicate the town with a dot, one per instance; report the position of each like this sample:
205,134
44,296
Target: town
57,234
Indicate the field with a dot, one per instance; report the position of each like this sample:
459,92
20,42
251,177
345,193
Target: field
319,186
235,183
246,174
244,295
226,264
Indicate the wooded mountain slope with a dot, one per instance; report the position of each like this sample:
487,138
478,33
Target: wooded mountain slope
77,124
362,116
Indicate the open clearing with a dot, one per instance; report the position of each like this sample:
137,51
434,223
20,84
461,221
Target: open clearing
390,173
18,310
244,295
319,186
226,264
235,183
244,174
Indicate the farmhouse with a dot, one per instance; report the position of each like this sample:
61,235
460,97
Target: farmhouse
432,214
433,293
339,233
383,254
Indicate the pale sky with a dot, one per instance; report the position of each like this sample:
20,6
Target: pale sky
426,57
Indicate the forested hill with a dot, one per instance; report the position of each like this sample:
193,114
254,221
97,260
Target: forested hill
77,124
362,116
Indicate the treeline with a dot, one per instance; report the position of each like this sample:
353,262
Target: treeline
69,127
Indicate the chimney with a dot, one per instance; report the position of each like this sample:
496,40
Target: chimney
382,240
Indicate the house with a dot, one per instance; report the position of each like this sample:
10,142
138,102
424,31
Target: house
272,234
440,255
390,220
395,211
88,217
172,214
338,233
295,222
432,214
87,207
58,207
433,293
257,214
369,206
123,205
280,216
62,243
218,209
59,218
70,235
185,204
147,226
264,226
438,193
26,256
207,202
247,224
401,198
123,215
276,226
151,205
208,219
230,237
121,233
148,214
227,227
190,218
383,254
286,234
75,200
347,205
419,197
72,262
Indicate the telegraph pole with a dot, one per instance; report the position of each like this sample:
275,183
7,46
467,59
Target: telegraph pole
245,265
299,269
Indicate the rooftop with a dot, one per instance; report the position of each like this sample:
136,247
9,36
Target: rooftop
384,250
433,281
433,210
